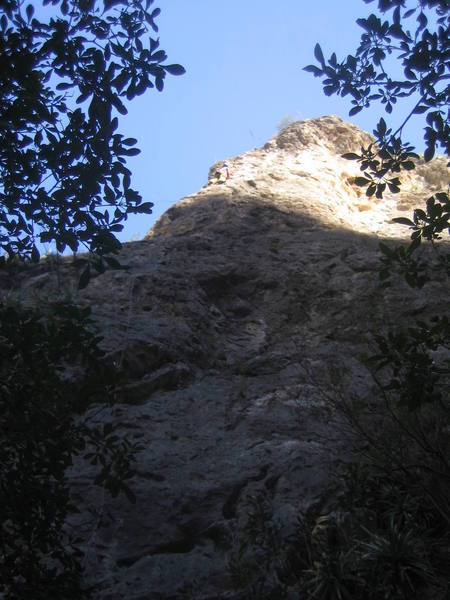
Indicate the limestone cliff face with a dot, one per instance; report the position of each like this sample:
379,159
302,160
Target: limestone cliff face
301,172
233,313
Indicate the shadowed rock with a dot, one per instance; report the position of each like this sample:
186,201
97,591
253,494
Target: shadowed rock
235,315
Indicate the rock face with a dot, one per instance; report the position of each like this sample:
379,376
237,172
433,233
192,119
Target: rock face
240,307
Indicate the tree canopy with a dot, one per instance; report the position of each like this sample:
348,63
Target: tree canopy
417,35
63,173
369,75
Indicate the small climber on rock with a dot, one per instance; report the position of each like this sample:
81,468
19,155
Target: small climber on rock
222,174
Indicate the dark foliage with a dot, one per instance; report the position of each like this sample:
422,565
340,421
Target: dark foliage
63,177
381,541
51,370
424,55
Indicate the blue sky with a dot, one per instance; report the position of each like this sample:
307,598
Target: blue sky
243,61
